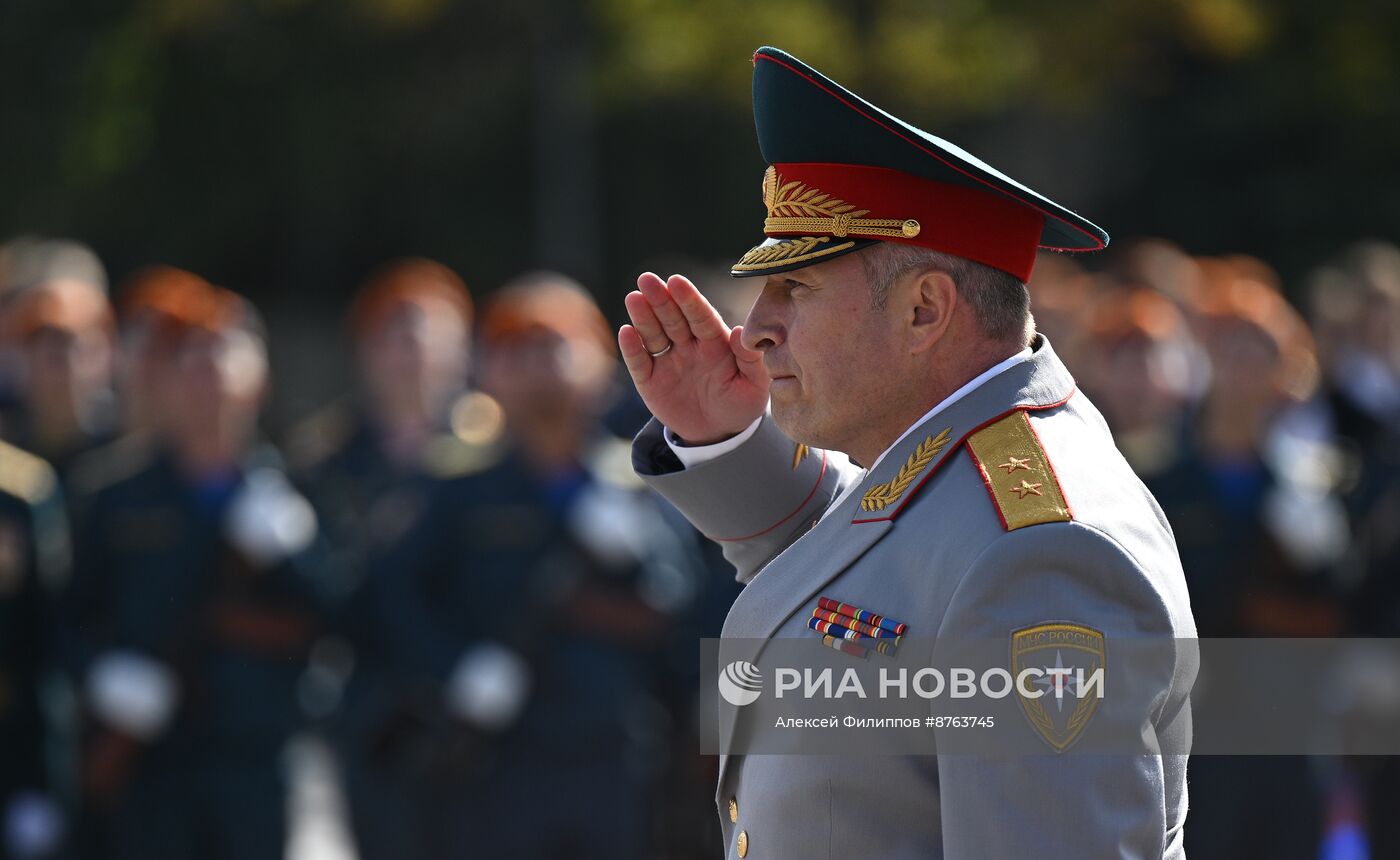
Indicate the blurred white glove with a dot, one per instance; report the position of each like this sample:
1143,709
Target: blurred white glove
33,826
1311,527
269,520
612,523
489,686
132,693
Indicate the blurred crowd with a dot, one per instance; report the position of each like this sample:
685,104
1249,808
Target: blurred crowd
452,577
1271,439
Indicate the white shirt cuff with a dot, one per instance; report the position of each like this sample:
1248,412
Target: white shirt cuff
694,456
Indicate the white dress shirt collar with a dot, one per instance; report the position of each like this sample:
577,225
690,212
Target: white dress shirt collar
972,384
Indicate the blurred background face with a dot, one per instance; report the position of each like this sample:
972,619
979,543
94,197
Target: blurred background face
138,376
1136,382
416,359
541,374
547,354
1379,326
151,299
1245,364
215,386
63,362
65,353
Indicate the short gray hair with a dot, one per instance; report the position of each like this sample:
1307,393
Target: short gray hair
1000,303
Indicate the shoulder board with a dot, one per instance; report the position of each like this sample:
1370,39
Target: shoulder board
109,464
1017,473
25,476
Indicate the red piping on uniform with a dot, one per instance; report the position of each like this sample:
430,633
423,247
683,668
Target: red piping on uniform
961,439
1054,476
987,479
786,518
1098,243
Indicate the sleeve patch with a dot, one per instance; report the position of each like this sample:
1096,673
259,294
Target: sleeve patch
1017,473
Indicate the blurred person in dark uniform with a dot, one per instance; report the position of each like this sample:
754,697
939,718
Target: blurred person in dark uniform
535,598
366,466
151,304
10,397
410,326
685,798
1138,360
34,559
63,330
27,262
1260,533
1265,529
1356,312
193,600
148,302
1355,308
1163,266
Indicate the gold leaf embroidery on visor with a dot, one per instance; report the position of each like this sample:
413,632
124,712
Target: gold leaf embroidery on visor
796,207
787,252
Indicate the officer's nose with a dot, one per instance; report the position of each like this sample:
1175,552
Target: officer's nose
763,329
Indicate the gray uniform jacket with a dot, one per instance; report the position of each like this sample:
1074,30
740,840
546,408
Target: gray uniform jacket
1009,509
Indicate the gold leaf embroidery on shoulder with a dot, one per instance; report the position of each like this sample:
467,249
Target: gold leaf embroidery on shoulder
799,199
881,496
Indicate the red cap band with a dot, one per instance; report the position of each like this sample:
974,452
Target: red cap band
986,228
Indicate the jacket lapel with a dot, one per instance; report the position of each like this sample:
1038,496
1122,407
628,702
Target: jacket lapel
773,594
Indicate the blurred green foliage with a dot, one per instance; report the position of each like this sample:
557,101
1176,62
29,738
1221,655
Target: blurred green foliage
288,145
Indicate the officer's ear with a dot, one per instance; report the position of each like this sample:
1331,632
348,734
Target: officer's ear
934,297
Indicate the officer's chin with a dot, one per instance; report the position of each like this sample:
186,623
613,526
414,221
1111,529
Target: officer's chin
791,418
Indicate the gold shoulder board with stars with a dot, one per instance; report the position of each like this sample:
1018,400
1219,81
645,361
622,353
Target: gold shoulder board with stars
1017,473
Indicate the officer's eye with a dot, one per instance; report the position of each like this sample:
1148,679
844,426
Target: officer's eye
795,286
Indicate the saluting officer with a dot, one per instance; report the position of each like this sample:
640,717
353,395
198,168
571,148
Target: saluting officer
984,497
193,599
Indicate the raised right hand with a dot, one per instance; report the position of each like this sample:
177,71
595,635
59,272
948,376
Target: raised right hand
707,387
